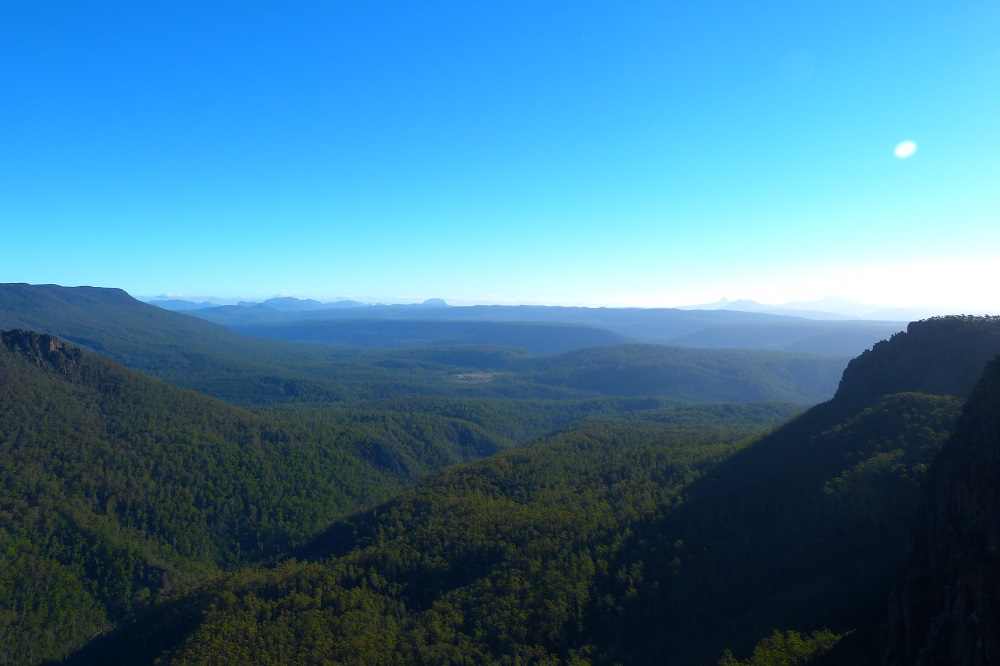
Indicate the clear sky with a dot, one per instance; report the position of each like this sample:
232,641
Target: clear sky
596,153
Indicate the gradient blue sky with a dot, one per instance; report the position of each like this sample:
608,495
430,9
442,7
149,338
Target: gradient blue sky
596,153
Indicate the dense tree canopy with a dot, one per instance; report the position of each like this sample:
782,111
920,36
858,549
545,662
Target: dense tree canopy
594,521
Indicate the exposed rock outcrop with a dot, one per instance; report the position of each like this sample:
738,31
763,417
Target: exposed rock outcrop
41,349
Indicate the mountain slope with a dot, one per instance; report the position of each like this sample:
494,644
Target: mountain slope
942,356
211,359
535,338
485,563
112,484
183,350
698,375
807,528
685,328
612,541
946,610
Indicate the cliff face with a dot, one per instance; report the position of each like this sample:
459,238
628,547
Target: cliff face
40,349
947,609
940,356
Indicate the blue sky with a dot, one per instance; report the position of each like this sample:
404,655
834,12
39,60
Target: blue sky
590,153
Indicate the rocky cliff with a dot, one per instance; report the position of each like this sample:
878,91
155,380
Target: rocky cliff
40,349
940,356
947,609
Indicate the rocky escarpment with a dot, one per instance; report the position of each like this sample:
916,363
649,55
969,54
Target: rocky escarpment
41,349
947,609
939,356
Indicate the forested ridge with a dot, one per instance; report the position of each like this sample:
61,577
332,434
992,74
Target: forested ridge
211,359
142,523
608,542
498,560
537,338
114,484
706,329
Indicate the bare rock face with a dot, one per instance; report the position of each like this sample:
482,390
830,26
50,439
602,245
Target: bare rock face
947,609
41,349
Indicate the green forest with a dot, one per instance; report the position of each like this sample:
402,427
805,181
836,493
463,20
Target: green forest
174,492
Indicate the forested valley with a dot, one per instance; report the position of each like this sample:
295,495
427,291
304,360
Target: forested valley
174,492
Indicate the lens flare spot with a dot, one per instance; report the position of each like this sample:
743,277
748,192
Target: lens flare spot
905,149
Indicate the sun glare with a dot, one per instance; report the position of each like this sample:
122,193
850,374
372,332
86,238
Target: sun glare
905,149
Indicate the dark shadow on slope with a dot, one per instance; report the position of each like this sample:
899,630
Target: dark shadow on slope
143,639
802,530
807,527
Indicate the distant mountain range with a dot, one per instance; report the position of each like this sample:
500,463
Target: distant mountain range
708,327
346,359
178,304
284,304
830,308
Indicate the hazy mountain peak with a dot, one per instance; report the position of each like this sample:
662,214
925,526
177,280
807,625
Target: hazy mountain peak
829,308
717,305
177,304
291,304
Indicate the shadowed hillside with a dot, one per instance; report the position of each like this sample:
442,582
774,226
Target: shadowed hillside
945,611
943,356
